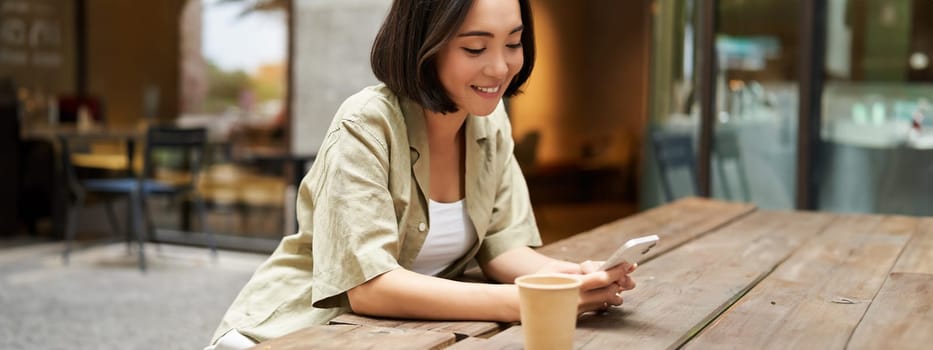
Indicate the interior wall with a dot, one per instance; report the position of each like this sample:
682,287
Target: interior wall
37,50
132,45
551,101
886,37
616,81
588,93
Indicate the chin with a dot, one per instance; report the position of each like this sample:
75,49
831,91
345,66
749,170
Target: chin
484,111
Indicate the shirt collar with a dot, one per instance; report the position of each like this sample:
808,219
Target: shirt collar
478,157
477,128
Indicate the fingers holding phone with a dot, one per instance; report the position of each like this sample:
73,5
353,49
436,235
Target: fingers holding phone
605,281
600,289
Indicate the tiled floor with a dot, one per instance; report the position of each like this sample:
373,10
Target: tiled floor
102,301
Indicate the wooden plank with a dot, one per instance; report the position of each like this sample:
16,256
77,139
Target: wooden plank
816,298
358,337
471,343
675,223
509,339
918,256
900,317
460,328
681,291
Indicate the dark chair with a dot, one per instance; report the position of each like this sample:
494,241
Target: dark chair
161,141
727,149
526,150
10,150
673,151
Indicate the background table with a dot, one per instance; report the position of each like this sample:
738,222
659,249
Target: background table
57,134
728,275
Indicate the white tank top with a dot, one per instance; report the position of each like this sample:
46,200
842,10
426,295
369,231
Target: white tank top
450,237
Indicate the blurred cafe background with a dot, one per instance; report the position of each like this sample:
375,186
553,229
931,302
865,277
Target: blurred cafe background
819,105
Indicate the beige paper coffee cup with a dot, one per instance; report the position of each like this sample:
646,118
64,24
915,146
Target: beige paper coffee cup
548,305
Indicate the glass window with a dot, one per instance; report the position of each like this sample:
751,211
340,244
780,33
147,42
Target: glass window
755,138
877,126
754,146
669,170
234,70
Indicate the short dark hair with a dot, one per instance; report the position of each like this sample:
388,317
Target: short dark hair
404,54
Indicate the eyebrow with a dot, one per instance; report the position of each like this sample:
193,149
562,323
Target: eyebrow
488,34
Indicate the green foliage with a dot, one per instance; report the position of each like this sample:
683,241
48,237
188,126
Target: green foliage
269,90
224,87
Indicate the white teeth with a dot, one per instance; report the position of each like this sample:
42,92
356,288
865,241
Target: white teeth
489,90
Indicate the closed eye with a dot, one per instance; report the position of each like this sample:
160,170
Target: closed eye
474,51
514,46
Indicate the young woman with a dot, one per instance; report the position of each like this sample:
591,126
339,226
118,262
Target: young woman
414,180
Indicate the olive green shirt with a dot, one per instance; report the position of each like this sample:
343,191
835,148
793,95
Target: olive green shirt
362,211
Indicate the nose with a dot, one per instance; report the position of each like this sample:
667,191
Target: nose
498,65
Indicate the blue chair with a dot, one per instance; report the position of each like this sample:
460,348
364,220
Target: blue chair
189,143
674,151
726,148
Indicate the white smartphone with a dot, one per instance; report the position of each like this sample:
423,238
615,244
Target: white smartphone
632,251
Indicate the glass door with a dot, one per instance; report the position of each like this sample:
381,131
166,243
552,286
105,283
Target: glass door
877,121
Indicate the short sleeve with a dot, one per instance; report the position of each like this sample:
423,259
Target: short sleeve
347,207
512,223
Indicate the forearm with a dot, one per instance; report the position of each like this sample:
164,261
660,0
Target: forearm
508,266
405,294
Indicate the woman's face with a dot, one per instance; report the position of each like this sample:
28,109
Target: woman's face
478,64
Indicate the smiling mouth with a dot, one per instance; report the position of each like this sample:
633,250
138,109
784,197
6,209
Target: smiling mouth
488,90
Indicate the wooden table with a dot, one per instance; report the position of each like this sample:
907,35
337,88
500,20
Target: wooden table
110,161
724,275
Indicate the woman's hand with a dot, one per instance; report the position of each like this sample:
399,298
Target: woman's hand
626,281
605,293
600,289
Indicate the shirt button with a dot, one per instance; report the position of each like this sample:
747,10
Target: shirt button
422,226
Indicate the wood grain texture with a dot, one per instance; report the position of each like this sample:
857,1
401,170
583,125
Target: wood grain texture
509,339
724,276
358,337
681,291
475,343
675,224
816,298
900,317
461,328
918,255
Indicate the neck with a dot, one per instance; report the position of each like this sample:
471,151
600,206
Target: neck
444,128
447,153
